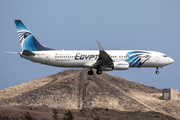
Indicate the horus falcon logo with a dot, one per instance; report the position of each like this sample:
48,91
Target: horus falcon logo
137,58
23,34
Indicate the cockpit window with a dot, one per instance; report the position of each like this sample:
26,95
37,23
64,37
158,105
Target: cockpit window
164,55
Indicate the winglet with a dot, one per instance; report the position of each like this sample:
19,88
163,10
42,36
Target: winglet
99,46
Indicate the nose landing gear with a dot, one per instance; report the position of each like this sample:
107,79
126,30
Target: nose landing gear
157,71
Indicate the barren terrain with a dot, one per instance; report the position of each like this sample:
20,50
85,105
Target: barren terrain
75,90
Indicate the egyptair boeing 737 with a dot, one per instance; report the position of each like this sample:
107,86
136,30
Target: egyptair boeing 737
101,60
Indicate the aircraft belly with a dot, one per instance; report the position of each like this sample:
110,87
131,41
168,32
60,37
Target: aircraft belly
68,63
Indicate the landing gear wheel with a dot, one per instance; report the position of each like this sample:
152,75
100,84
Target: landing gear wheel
99,72
157,72
90,72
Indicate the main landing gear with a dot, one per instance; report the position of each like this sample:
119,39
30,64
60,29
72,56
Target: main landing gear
90,72
157,71
99,71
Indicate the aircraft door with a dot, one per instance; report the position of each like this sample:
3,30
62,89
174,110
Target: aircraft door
157,58
47,58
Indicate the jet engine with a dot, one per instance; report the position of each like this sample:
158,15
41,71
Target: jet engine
121,65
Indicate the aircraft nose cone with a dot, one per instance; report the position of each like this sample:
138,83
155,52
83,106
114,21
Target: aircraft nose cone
170,60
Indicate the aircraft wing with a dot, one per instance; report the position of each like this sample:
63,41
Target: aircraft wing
104,58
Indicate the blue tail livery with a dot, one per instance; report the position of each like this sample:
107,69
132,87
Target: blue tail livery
27,39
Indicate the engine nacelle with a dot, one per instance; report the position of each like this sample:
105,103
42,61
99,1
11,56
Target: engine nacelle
121,65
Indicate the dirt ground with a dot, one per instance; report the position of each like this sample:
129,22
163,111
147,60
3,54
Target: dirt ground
45,113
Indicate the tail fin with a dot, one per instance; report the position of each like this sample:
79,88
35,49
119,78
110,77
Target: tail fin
27,39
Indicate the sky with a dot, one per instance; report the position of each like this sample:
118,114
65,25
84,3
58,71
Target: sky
77,24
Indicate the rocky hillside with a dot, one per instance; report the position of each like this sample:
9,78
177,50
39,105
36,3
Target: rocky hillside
74,89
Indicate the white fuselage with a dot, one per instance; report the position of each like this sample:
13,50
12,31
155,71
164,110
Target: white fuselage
86,58
101,60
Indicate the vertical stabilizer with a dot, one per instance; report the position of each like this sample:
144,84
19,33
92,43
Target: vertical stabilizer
27,39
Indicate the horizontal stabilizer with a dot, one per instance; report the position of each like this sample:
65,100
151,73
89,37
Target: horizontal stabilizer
28,53
12,52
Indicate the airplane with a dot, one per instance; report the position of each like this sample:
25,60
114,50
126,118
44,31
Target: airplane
101,60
